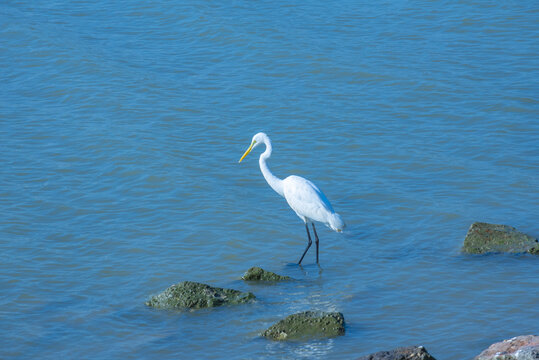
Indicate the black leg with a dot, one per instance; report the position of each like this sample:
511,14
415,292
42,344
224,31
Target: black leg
308,245
317,242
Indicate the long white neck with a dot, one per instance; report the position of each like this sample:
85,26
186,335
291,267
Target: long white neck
273,181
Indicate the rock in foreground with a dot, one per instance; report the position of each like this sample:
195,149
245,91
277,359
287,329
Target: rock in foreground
193,295
525,347
258,274
484,238
404,353
307,325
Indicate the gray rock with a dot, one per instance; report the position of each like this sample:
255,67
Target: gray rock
484,238
403,353
524,347
258,274
193,295
527,353
307,325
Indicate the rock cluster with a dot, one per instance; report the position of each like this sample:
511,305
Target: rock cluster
481,238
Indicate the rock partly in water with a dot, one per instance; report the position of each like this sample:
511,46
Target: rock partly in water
258,274
193,295
485,238
307,325
403,353
524,347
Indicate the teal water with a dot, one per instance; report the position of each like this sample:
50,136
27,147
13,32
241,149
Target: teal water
121,127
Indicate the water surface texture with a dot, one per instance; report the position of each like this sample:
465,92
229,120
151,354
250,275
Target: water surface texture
121,127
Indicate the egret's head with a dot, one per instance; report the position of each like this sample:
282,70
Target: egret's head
257,140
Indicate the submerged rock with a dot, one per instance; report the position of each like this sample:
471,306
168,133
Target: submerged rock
307,325
258,274
193,295
524,347
403,353
483,238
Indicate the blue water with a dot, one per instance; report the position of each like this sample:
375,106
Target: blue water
121,127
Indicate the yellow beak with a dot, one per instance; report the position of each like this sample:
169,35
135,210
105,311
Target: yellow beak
248,151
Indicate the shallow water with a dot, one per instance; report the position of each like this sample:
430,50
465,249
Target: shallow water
122,125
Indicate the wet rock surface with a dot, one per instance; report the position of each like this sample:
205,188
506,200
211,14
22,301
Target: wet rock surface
485,238
258,274
307,325
403,353
524,347
194,295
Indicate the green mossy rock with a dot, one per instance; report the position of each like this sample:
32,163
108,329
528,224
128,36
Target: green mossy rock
307,325
484,238
193,295
258,274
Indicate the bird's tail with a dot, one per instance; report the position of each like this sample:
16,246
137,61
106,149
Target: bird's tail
336,223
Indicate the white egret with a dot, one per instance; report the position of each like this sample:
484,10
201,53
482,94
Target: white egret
309,203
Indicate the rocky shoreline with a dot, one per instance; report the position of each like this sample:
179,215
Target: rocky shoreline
482,238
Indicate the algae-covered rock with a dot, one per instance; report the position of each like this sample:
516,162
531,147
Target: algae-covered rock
483,238
307,325
524,347
403,353
258,274
193,295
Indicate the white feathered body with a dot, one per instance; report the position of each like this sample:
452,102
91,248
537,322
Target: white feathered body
309,203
